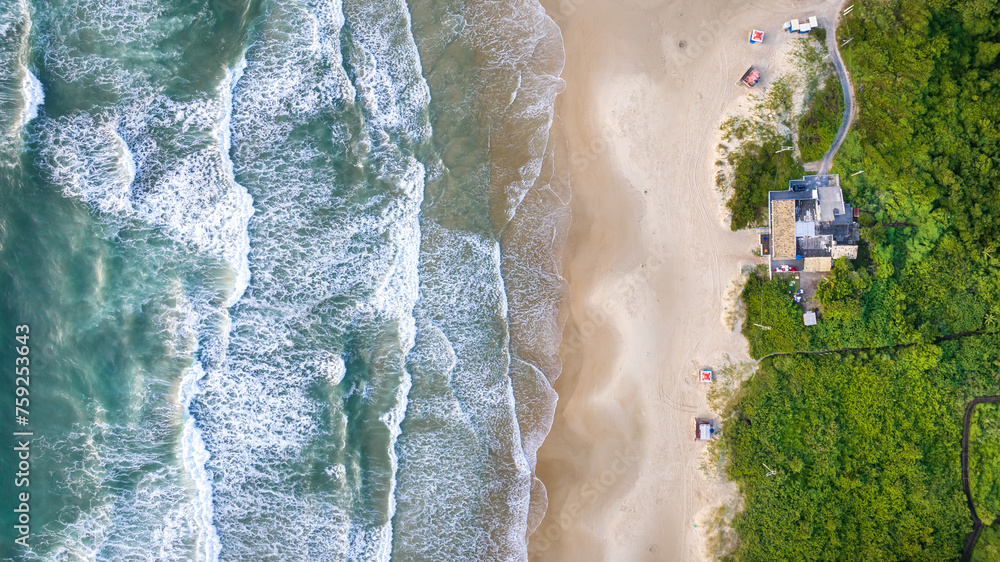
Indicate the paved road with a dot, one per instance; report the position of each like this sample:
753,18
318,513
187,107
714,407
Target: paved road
849,105
823,166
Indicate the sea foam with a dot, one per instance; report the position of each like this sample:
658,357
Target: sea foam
34,97
332,263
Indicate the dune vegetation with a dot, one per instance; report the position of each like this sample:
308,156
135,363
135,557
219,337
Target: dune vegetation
865,445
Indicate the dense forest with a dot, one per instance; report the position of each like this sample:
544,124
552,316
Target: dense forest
984,461
988,546
866,444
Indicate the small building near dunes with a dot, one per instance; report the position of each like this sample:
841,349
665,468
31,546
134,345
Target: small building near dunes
810,225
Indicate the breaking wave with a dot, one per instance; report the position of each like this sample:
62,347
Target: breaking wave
348,216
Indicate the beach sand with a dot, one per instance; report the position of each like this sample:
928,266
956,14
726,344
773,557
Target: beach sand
650,261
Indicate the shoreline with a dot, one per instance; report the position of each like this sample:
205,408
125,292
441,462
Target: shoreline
649,263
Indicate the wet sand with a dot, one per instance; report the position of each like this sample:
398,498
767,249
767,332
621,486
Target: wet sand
650,261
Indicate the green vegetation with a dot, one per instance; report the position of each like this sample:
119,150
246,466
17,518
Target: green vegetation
767,304
819,34
819,124
862,471
984,461
759,164
757,170
866,444
812,65
988,546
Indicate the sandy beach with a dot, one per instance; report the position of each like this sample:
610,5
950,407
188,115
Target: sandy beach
650,261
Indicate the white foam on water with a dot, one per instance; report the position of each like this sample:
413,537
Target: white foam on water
193,199
182,322
194,453
157,164
34,97
464,384
194,458
327,261
253,400
119,37
185,185
126,158
31,88
523,55
123,499
87,158
387,64
17,101
224,131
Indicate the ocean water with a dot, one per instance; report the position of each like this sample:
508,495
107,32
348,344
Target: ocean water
290,269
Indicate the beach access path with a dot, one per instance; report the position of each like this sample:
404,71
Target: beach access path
848,90
850,106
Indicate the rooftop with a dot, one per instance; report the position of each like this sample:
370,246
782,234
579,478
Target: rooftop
831,203
805,210
810,218
783,230
814,246
814,182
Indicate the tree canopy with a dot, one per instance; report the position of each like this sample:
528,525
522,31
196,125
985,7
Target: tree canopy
866,445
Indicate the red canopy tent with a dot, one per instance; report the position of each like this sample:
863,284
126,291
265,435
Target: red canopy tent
750,77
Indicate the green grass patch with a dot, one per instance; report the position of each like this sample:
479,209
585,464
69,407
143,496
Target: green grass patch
819,124
758,164
984,461
768,303
757,169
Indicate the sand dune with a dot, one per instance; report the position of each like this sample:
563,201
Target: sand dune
650,261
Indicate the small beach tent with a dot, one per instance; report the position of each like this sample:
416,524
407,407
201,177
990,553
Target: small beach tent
750,77
705,375
794,28
812,22
787,26
703,431
756,36
809,318
805,28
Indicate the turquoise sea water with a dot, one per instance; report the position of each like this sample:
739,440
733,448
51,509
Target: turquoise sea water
290,272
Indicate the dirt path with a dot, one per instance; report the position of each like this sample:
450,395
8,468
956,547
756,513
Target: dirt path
897,346
977,524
